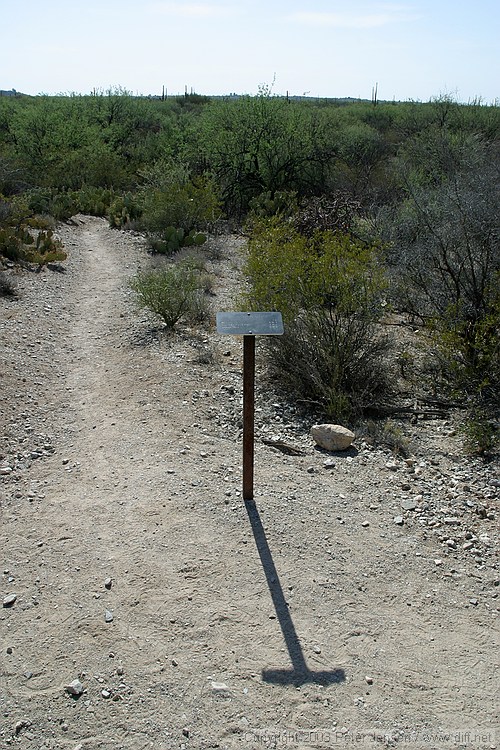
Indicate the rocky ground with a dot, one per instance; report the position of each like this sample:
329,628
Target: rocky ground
355,604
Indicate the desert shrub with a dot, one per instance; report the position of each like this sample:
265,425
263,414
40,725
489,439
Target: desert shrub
12,242
192,205
94,201
329,289
27,238
7,286
172,293
385,432
267,204
123,210
481,432
334,213
468,354
173,239
19,244
59,204
265,144
445,258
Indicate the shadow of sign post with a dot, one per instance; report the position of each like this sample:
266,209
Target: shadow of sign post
300,672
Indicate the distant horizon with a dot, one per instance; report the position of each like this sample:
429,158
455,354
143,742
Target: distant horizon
235,94
416,50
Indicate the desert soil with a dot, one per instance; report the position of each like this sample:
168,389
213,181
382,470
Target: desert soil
355,604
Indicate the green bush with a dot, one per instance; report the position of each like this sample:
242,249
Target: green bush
27,238
123,210
481,432
187,206
267,204
469,358
94,201
171,240
19,245
172,293
329,289
59,204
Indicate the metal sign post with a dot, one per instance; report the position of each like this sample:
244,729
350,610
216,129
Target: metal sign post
249,325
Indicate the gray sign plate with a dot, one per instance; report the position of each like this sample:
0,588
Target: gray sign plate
250,324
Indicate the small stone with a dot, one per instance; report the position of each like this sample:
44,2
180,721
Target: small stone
332,437
105,694
219,687
329,463
108,582
365,524
175,663
185,732
408,504
316,649
369,680
467,545
474,602
9,600
438,562
120,671
451,543
5,471
74,688
9,649
108,616
310,469
23,724
399,520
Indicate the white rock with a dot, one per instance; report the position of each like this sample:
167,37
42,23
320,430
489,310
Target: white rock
219,687
332,437
74,688
408,504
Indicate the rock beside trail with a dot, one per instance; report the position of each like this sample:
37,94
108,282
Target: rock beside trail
332,437
74,688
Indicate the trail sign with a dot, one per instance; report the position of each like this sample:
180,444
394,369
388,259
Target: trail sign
249,325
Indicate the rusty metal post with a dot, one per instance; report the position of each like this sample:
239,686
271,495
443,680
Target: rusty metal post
248,414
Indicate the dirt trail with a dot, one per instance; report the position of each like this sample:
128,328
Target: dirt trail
310,620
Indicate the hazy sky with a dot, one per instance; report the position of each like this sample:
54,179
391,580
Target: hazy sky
331,48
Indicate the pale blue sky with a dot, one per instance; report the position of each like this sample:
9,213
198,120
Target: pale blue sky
328,48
